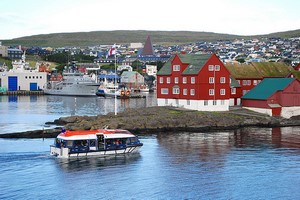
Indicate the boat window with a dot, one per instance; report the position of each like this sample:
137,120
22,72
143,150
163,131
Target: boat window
92,143
133,139
69,143
80,143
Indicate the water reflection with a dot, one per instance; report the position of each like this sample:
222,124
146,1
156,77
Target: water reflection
190,147
92,163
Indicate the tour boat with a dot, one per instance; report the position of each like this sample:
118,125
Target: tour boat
99,143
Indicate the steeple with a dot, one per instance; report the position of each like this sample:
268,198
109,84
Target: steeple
148,48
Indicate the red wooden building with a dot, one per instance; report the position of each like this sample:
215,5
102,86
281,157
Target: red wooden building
198,82
275,97
251,74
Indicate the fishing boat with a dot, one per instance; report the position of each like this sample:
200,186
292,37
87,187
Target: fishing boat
73,84
101,143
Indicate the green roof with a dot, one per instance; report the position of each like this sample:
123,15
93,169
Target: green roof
267,87
195,61
259,70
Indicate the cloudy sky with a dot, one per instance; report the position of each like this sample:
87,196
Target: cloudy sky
20,18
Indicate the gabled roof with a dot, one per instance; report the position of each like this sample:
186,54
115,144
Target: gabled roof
259,70
195,61
129,73
267,87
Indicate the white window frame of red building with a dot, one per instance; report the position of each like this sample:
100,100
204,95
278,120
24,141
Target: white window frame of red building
161,80
168,80
217,67
175,90
211,92
254,82
176,80
193,80
211,80
188,102
222,91
222,80
233,90
248,82
245,82
211,68
192,91
184,91
206,102
164,91
184,80
176,68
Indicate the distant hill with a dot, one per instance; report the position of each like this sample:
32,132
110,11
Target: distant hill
126,36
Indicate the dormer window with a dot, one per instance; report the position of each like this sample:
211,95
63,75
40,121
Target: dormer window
176,67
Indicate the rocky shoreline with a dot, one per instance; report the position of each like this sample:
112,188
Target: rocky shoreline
151,120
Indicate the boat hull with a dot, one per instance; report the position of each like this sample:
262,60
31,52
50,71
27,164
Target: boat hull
74,90
65,152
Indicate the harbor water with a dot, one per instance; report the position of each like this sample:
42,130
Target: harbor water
252,163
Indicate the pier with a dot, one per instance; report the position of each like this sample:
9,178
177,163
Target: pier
22,92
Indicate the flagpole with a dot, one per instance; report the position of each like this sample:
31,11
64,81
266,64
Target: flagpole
115,83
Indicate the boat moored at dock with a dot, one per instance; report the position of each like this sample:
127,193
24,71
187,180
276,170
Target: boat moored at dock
99,143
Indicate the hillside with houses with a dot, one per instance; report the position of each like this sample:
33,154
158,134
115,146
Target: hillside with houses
204,76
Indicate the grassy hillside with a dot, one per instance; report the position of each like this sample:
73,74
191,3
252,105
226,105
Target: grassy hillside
125,36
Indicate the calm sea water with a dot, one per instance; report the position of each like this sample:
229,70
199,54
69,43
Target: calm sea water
251,163
22,113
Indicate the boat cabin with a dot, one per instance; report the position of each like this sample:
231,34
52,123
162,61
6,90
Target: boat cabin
106,141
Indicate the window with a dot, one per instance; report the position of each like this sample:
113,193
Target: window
193,80
211,92
184,80
248,82
214,102
254,82
188,102
222,80
184,91
168,79
176,67
164,91
222,102
233,90
205,102
211,79
175,90
176,79
217,67
210,68
192,92
222,91
161,80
